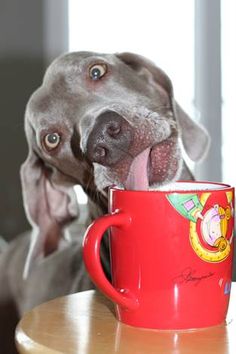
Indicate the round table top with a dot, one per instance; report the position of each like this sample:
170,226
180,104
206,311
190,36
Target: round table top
85,323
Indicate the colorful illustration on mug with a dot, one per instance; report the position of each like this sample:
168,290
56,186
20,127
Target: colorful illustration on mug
211,223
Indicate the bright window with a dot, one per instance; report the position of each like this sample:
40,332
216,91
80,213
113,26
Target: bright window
163,31
228,89
156,29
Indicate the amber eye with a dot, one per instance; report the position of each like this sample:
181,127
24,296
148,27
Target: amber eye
97,71
51,141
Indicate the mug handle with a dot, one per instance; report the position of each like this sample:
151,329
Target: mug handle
91,256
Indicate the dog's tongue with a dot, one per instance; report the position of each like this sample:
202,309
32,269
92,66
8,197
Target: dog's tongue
138,173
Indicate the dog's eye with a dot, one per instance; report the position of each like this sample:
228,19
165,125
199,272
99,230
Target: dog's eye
97,71
51,141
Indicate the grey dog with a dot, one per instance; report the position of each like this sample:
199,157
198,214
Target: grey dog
97,120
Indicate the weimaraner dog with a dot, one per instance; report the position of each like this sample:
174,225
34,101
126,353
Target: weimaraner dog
97,120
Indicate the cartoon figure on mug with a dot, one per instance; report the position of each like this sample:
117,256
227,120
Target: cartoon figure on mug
211,240
214,226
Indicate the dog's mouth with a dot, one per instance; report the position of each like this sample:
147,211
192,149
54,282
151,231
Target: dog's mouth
155,165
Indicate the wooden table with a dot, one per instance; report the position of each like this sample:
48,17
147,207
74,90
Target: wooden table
84,323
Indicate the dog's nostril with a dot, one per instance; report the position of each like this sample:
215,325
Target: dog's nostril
100,152
113,129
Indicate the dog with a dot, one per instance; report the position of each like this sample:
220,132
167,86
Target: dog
97,120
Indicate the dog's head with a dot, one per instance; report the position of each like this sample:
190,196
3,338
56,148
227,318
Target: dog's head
99,120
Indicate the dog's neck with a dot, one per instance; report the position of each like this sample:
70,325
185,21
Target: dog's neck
98,202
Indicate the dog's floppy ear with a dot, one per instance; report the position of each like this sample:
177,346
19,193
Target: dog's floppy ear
50,204
194,137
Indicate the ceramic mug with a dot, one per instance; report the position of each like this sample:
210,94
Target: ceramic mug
171,255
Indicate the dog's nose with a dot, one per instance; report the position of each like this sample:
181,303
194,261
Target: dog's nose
109,140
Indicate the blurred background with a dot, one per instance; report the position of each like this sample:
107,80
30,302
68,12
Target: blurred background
192,40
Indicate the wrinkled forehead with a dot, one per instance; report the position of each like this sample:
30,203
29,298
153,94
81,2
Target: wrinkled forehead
66,78
66,88
72,65
70,74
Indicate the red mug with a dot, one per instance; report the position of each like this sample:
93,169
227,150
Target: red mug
171,255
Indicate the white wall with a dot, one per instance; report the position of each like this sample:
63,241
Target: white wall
157,29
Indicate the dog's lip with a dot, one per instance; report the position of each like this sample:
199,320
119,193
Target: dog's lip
163,162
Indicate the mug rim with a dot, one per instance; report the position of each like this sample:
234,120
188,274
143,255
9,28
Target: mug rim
222,187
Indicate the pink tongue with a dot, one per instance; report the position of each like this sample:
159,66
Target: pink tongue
138,175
